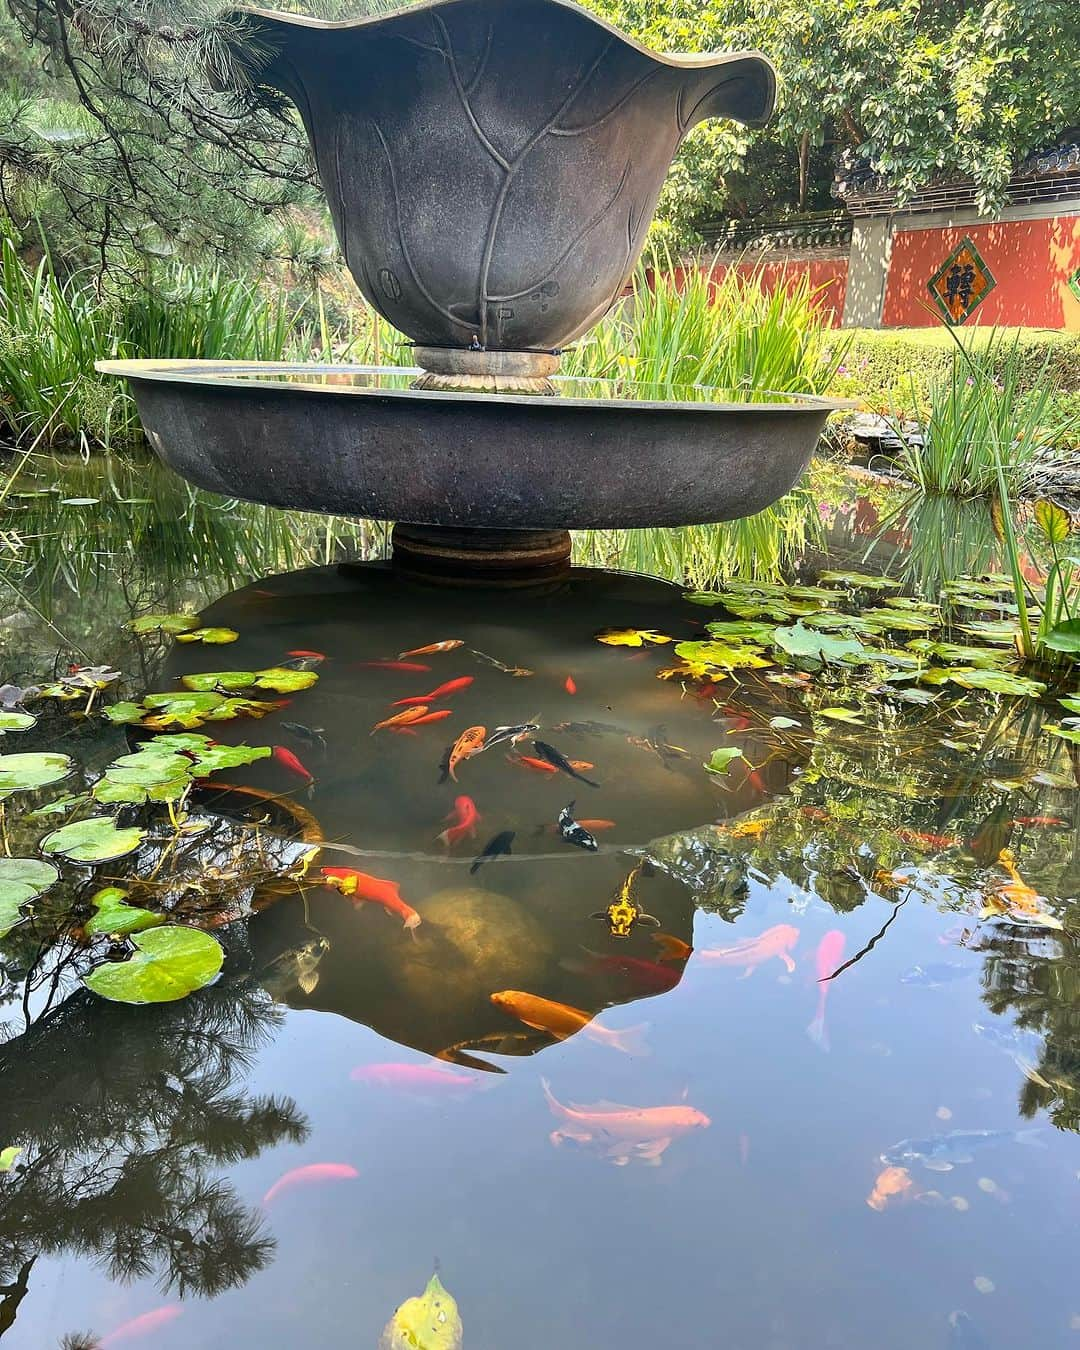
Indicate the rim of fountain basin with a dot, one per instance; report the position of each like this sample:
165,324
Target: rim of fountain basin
677,60
202,373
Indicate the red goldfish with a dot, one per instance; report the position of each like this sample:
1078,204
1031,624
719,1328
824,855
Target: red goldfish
465,817
570,686
645,976
405,718
830,953
307,655
1039,822
394,665
672,948
288,760
420,1079
433,647
542,766
776,941
141,1326
360,888
303,1176
563,1021
469,743
624,1133
927,840
443,691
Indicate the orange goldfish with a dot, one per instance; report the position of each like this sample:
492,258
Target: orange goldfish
927,840
563,1021
443,691
469,743
465,817
570,686
624,1133
542,766
361,887
402,719
672,948
433,647
422,721
1015,899
776,941
891,1184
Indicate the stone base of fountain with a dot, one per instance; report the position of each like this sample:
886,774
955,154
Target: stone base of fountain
474,557
463,370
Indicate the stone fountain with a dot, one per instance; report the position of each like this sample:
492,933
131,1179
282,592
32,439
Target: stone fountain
492,167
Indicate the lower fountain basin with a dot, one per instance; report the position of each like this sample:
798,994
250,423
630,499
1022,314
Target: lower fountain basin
359,440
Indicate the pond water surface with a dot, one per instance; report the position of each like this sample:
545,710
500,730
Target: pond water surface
847,1103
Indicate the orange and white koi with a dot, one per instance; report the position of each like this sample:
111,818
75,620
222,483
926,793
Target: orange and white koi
563,1021
405,718
465,817
752,952
359,887
449,645
469,743
625,1133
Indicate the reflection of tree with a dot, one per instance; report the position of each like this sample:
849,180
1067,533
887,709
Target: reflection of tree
124,1115
1037,981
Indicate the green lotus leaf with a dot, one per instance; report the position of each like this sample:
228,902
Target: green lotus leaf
61,806
220,679
731,655
233,706
860,580
25,773
124,714
1065,637
198,702
214,637
744,629
13,720
215,757
992,681
96,839
284,681
168,964
164,623
178,741
21,880
956,653
720,760
831,621
800,640
888,618
114,916
8,1157
1000,632
1072,703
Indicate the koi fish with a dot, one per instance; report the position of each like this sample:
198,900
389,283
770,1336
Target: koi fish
563,1021
465,817
402,719
672,948
624,911
469,743
1015,899
313,736
422,721
361,887
645,976
296,968
443,691
415,666
419,1079
570,686
927,840
444,765
589,728
307,655
943,1152
305,1176
624,1133
140,1326
1038,822
433,647
550,755
830,953
574,832
890,1184
517,671
499,844
542,766
752,952
511,734
288,760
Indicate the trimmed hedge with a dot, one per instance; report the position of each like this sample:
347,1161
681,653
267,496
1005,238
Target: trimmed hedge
885,367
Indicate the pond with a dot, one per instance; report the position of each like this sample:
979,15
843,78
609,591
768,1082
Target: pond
729,996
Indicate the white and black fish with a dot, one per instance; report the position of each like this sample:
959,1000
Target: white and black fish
558,760
943,1152
511,734
574,833
312,736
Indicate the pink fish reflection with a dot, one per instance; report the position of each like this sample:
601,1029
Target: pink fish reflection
830,953
306,1176
142,1325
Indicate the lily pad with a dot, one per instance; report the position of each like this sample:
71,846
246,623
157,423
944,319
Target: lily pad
860,580
164,623
96,839
21,880
214,757
13,720
123,714
747,629
998,631
631,637
9,1156
721,760
887,617
278,678
957,654
213,637
1065,637
114,916
849,715
26,773
704,657
992,681
430,1321
168,964
800,640
1072,702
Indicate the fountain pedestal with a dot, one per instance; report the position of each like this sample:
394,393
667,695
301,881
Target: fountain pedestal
464,557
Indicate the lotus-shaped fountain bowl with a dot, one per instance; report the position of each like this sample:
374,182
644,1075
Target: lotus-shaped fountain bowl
492,166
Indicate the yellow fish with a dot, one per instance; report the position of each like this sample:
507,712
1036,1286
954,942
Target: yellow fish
563,1021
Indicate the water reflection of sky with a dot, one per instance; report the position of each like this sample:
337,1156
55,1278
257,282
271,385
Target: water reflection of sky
754,1232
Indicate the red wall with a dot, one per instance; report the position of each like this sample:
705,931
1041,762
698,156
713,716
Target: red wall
1031,261
828,276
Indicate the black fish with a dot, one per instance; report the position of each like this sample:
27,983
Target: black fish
501,734
500,844
444,764
310,735
589,728
558,760
574,833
